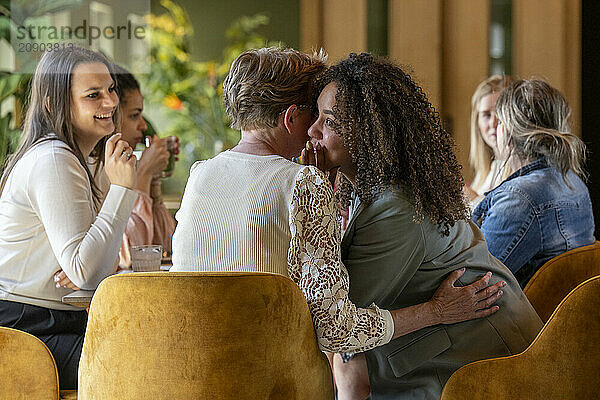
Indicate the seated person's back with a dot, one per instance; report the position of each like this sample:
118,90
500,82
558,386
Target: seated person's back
395,262
544,208
235,214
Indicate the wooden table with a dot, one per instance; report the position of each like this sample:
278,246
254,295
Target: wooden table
79,298
83,298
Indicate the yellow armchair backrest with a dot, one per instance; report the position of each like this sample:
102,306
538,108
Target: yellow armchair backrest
27,368
201,336
563,362
558,276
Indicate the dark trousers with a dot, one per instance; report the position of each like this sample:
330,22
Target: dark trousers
62,331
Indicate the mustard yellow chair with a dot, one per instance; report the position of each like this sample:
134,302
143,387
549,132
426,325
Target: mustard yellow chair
563,362
27,369
201,336
558,276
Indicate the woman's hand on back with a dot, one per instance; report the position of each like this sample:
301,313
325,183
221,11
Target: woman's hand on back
453,304
119,162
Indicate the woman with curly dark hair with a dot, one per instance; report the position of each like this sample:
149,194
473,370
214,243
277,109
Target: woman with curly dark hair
408,228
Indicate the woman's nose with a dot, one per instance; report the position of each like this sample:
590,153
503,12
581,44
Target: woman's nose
142,126
314,132
494,120
112,100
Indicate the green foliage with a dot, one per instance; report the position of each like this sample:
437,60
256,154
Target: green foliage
9,137
190,93
12,84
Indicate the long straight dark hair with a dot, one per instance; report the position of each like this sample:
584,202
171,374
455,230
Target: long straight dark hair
52,83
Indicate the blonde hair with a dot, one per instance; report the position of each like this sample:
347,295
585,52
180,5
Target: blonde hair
264,82
480,154
536,121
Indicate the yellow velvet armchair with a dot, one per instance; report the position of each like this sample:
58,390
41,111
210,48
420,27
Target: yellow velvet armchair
201,336
563,362
27,368
558,276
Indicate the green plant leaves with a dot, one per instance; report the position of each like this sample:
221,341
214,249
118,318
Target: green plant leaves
9,138
21,10
9,84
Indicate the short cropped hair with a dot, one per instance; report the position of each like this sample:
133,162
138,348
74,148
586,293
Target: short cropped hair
264,82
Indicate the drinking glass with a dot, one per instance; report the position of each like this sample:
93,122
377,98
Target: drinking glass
146,258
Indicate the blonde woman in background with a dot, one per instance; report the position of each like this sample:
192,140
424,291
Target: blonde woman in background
483,156
544,208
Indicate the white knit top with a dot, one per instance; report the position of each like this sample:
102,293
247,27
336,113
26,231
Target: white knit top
48,222
242,212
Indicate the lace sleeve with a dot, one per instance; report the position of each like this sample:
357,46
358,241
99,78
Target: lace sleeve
314,264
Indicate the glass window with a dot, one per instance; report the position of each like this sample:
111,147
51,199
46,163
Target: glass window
500,46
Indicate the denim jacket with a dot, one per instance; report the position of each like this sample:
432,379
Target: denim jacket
533,216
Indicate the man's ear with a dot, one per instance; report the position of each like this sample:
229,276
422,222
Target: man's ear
288,117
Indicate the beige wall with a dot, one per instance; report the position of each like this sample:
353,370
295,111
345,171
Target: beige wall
465,64
339,26
415,40
445,42
547,44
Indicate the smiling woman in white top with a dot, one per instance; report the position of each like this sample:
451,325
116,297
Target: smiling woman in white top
252,209
50,218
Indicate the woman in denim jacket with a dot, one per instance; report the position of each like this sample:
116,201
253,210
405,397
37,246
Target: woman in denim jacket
544,208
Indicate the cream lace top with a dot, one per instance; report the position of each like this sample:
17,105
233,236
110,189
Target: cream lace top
242,212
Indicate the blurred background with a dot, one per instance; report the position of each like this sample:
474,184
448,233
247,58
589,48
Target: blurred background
450,45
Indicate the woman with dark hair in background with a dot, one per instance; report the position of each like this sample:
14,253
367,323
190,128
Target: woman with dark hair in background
51,218
544,208
150,221
408,229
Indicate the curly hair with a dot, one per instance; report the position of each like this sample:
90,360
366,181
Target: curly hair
395,139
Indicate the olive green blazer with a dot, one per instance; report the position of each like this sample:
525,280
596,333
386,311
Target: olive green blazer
394,262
